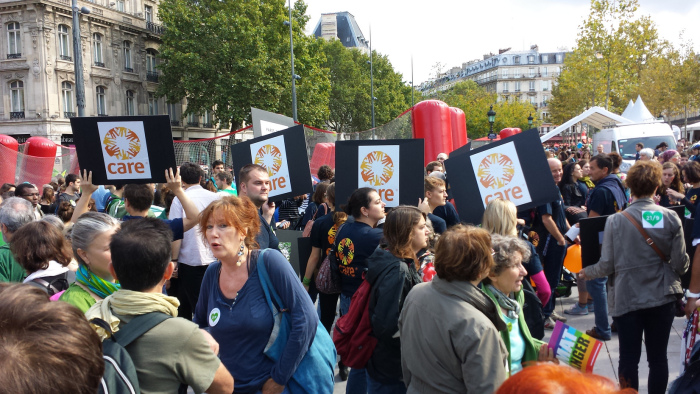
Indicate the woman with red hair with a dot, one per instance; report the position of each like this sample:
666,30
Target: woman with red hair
548,378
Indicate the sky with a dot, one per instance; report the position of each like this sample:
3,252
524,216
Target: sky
456,31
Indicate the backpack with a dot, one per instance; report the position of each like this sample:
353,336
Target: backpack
56,285
689,381
310,223
352,334
120,373
532,311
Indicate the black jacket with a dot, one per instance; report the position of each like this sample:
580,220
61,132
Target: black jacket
391,279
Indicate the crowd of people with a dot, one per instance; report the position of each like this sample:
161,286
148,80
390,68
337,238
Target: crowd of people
185,270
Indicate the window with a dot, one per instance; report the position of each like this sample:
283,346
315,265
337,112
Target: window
14,43
532,86
545,59
172,112
127,57
517,86
505,86
532,72
504,73
206,119
149,13
67,92
516,59
17,97
152,104
63,43
120,5
533,100
545,99
151,61
192,120
544,85
559,58
544,71
130,107
101,104
531,59
97,49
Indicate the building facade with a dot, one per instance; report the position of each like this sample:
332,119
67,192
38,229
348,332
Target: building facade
344,27
526,76
119,44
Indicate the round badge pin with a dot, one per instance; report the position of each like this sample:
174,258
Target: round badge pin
214,317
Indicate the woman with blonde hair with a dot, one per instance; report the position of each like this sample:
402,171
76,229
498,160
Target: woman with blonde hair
500,217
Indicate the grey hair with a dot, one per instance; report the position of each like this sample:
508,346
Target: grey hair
87,228
15,212
648,152
54,220
504,247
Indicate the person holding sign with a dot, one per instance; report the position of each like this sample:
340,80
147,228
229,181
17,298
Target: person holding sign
504,286
644,247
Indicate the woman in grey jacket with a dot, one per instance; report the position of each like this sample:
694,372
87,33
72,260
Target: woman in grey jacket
449,329
644,286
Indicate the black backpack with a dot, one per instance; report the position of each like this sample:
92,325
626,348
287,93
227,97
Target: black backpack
689,381
55,284
120,373
532,311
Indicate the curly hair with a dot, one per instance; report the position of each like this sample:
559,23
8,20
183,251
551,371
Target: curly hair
503,249
238,212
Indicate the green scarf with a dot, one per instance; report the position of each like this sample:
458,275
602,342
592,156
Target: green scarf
509,306
93,282
588,181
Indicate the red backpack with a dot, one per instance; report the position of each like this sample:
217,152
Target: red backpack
352,335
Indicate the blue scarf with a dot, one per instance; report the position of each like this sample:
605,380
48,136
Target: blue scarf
614,184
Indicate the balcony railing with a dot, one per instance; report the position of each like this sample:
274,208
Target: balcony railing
69,114
17,115
99,64
128,69
14,55
152,76
66,58
207,125
155,28
193,124
102,115
174,122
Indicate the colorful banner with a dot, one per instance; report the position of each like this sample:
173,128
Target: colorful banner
574,348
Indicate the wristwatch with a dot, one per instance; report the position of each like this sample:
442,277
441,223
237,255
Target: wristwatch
688,294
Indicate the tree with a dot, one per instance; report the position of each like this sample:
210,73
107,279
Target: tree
612,52
229,56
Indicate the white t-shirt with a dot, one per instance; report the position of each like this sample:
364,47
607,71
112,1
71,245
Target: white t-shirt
193,250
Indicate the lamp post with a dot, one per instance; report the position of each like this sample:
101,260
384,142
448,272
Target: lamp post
371,77
78,63
492,118
291,54
529,121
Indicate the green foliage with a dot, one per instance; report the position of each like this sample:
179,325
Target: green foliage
475,101
231,56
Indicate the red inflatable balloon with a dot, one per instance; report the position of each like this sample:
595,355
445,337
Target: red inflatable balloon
38,161
509,132
8,158
324,154
432,122
459,128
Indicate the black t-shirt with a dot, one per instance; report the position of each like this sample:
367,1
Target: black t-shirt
266,237
448,213
602,201
691,200
556,210
356,242
534,265
323,234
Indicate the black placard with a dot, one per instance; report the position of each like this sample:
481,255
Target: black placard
347,163
591,239
461,150
295,158
124,157
534,166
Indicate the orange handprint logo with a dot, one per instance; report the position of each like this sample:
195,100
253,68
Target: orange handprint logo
270,157
377,168
495,171
121,143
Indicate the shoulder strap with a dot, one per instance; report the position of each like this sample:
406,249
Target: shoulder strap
267,286
646,236
139,326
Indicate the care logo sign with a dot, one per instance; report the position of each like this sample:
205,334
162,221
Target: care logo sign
499,175
272,155
124,150
652,219
379,169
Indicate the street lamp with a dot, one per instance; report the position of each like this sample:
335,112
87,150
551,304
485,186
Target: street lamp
78,63
294,76
371,76
492,118
529,120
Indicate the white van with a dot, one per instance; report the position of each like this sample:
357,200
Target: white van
623,139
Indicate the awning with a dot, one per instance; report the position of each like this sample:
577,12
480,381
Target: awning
597,117
693,127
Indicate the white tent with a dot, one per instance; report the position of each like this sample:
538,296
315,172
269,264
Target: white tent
628,110
693,127
597,117
639,112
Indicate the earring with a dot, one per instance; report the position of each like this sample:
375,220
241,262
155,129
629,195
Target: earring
240,254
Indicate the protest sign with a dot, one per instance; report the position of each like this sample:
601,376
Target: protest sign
283,155
392,167
592,230
571,346
514,169
265,122
124,149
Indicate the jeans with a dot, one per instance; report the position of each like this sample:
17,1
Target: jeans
552,262
376,387
357,378
655,323
596,288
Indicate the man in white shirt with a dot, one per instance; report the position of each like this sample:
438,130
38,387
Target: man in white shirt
192,255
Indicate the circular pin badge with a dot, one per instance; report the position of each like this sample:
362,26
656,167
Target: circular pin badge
214,317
